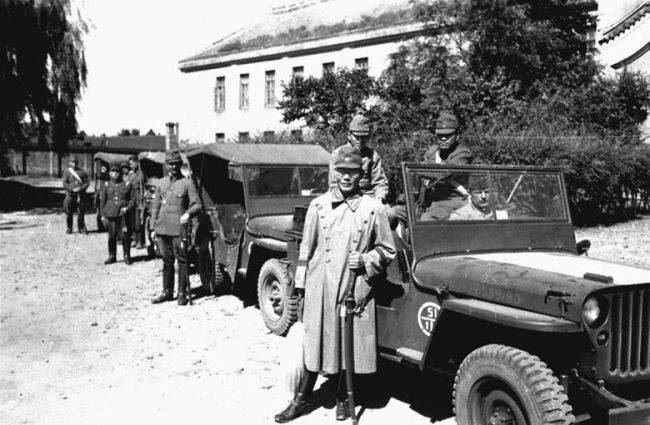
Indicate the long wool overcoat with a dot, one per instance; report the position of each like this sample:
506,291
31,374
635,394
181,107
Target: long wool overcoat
333,228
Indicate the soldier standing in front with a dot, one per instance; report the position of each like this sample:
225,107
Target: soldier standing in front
344,230
75,182
115,203
176,200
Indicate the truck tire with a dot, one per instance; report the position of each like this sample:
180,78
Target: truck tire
279,309
500,384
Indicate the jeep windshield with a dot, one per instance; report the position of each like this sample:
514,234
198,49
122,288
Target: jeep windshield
446,194
286,181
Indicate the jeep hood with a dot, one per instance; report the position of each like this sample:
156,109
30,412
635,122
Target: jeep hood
270,226
549,283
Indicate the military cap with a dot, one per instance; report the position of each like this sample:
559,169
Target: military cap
116,167
172,156
478,181
348,157
359,125
74,159
446,123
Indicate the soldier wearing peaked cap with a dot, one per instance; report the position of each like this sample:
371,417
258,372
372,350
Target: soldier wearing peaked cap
344,230
373,178
75,182
439,198
176,200
133,177
479,195
115,203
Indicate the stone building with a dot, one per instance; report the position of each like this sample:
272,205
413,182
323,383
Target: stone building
308,37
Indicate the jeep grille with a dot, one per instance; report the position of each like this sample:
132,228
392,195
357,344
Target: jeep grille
630,342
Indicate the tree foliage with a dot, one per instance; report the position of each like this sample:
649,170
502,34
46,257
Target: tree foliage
42,70
523,80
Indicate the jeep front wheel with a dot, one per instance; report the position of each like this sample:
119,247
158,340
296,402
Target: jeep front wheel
279,309
497,384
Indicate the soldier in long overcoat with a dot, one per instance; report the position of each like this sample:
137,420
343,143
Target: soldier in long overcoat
115,202
176,200
344,229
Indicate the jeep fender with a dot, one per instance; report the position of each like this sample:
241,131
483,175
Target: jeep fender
457,312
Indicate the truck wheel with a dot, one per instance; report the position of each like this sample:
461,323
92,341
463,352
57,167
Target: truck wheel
279,310
497,384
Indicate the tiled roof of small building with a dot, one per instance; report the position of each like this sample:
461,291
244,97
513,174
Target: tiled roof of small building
307,20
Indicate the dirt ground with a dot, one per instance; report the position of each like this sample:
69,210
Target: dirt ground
80,342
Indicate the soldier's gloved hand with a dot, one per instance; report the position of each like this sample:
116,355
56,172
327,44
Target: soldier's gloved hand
185,218
122,210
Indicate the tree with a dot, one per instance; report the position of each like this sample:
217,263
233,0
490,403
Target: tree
327,103
42,70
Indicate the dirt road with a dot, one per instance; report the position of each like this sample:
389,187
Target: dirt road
80,342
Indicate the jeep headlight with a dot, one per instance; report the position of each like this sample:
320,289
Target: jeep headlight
591,311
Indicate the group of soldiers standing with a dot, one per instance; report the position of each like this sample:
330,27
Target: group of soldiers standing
346,240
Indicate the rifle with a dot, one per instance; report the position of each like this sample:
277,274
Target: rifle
348,335
186,237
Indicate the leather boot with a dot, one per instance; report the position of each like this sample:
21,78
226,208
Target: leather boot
182,284
342,410
168,285
298,407
126,248
109,260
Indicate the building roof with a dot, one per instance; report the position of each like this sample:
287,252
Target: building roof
309,26
641,10
254,153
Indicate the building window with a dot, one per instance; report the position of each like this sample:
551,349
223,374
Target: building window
328,67
219,137
243,91
268,136
244,137
269,88
220,94
361,63
298,71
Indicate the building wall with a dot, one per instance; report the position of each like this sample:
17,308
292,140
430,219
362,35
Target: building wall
259,118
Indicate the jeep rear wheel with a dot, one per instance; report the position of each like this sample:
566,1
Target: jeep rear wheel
279,309
213,279
498,385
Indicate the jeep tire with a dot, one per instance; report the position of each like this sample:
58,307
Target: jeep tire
278,307
499,384
213,276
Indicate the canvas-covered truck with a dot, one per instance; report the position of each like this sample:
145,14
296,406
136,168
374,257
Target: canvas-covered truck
501,300
249,192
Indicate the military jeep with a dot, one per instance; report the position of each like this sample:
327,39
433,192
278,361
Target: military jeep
533,332
249,192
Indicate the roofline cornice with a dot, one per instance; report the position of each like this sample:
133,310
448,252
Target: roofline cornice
625,23
302,48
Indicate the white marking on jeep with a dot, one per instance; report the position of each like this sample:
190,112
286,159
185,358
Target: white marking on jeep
427,316
570,265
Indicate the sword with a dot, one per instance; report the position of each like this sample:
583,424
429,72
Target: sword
349,341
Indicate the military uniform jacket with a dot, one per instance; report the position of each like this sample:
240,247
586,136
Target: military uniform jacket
373,180
172,199
70,182
459,156
333,228
135,179
115,196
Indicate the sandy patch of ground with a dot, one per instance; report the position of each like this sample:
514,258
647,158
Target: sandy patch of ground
80,342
